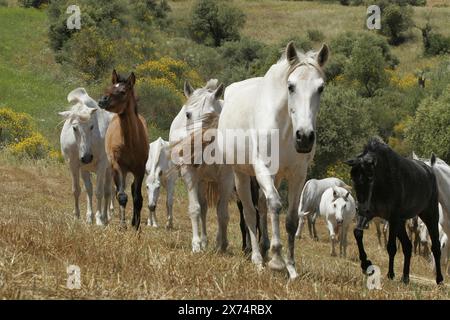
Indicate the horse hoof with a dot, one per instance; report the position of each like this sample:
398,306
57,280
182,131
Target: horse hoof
277,264
292,272
196,248
257,259
169,226
365,264
405,279
391,276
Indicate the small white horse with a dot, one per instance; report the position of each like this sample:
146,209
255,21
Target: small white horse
285,100
310,201
338,207
83,147
207,184
159,172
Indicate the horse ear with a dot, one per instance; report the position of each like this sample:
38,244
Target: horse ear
92,110
323,54
291,53
346,196
414,156
351,162
131,80
188,89
115,77
219,92
65,114
335,193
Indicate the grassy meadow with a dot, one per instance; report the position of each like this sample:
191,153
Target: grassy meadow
39,237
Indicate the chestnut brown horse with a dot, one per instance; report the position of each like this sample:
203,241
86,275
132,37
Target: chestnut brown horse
126,142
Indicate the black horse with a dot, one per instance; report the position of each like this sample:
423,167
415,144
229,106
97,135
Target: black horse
392,187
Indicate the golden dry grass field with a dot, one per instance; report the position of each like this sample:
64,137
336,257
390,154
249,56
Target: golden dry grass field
39,238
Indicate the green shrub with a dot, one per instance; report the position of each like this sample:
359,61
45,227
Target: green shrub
315,35
429,130
396,20
215,21
343,127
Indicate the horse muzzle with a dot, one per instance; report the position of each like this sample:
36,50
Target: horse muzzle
304,142
152,207
87,158
103,102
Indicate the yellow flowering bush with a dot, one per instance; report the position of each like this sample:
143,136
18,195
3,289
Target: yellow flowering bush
35,146
339,170
18,135
160,88
14,126
402,82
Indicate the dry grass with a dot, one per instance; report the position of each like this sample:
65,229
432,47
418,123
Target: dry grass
39,238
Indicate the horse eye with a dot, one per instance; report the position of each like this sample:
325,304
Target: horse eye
334,205
75,129
188,115
320,90
92,127
291,87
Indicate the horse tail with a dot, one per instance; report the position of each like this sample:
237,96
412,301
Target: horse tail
301,196
212,193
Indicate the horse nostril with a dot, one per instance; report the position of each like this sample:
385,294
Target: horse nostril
87,158
312,137
298,135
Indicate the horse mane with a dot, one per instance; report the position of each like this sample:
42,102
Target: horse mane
79,111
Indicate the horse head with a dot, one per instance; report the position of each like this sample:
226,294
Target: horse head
118,95
305,84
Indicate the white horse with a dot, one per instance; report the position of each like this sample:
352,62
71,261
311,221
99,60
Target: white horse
310,202
83,147
207,184
338,207
285,101
159,172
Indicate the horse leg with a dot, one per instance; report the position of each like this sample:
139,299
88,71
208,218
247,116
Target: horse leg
169,202
225,191
243,190
331,228
120,180
86,177
203,201
432,223
264,242
242,225
101,216
295,187
267,184
107,188
136,189
313,224
407,250
392,245
309,220
76,190
358,233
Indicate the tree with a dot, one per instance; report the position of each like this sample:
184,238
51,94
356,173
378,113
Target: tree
215,21
366,66
343,127
396,17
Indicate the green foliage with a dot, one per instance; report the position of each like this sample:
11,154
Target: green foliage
215,21
343,127
429,130
434,43
366,67
160,87
152,11
396,20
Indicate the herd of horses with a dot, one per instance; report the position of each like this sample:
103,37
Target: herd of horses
110,138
